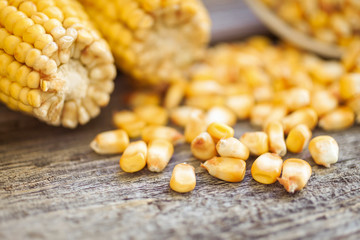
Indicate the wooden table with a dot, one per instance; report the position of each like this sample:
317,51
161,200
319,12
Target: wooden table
53,186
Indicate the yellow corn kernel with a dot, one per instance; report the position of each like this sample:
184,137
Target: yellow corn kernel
232,147
322,101
110,142
204,87
129,122
295,174
227,169
152,114
305,116
220,114
174,95
183,178
275,132
267,168
296,98
338,119
263,94
278,112
203,146
298,138
324,150
241,105
134,157
160,152
150,133
256,142
195,125
328,72
349,85
181,115
259,113
219,130
143,98
205,101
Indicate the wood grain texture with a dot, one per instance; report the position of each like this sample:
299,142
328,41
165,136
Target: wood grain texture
53,186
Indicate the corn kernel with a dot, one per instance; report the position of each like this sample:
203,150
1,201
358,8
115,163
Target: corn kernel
162,132
267,168
195,125
241,105
298,138
256,142
220,130
183,178
338,119
203,146
350,85
160,152
232,147
296,98
134,157
259,113
220,114
110,142
181,115
129,122
305,116
322,101
152,114
143,98
205,101
174,95
227,169
295,174
324,150
275,132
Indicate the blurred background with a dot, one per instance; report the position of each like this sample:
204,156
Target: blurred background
232,20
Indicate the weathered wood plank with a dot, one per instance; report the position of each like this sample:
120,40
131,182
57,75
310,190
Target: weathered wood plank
52,186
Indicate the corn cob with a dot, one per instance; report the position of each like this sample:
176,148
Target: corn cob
53,63
154,41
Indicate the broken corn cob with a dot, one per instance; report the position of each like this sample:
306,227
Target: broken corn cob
154,41
54,65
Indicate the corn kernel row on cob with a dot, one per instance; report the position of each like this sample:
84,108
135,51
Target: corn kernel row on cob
154,41
53,63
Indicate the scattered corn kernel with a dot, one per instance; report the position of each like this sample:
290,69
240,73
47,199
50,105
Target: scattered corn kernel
162,132
227,169
195,125
220,130
220,114
181,115
152,114
267,168
174,94
322,101
232,147
296,98
305,116
275,132
134,157
338,119
110,142
298,138
256,142
241,105
129,122
295,174
183,178
259,113
203,146
350,85
159,154
324,150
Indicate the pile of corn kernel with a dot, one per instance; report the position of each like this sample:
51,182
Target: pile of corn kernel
282,91
331,21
